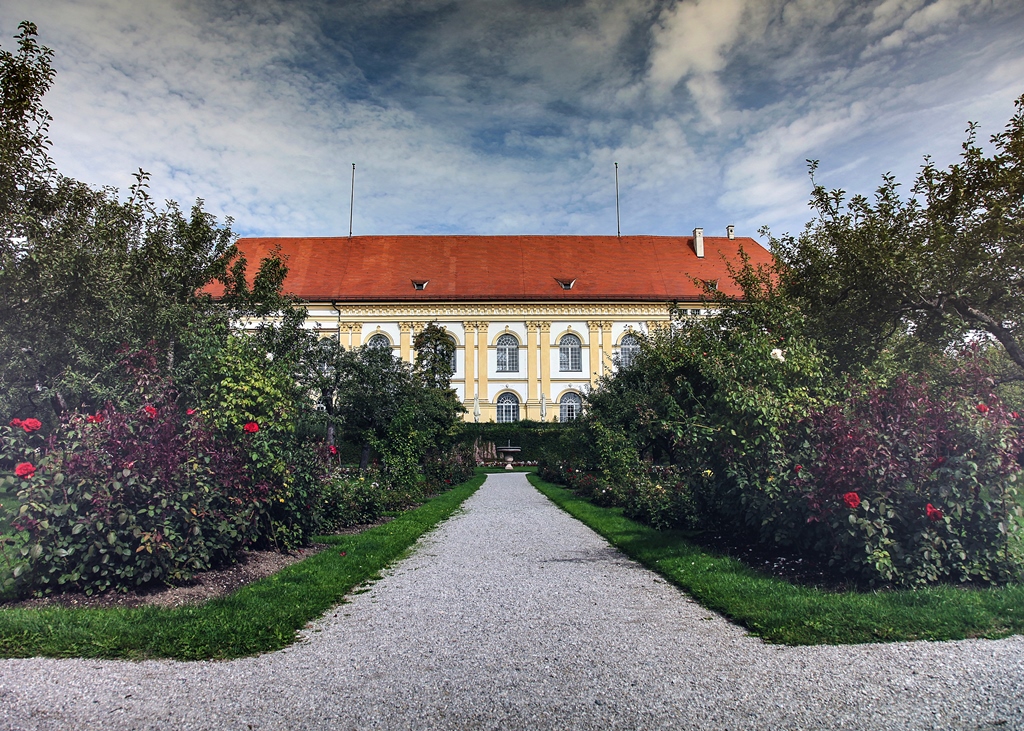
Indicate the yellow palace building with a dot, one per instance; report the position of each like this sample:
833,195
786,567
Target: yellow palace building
535,319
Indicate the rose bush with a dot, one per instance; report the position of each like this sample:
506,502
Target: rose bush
905,485
126,500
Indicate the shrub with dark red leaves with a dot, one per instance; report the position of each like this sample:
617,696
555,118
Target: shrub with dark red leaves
904,486
129,498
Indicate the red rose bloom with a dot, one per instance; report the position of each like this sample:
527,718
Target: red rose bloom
31,425
934,513
96,418
15,422
190,411
332,449
1014,414
25,470
852,500
982,409
252,427
797,468
150,410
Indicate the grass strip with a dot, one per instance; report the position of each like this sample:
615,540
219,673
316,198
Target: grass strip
780,612
261,617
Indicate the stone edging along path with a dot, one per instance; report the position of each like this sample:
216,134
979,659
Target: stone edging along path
513,615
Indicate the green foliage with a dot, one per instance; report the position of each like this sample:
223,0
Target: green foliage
24,78
435,352
738,423
535,438
373,388
246,385
84,274
443,469
350,498
927,270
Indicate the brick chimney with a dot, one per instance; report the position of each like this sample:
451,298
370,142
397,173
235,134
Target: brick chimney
698,242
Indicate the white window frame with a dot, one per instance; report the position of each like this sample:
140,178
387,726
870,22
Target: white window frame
569,406
629,348
570,354
507,408
508,353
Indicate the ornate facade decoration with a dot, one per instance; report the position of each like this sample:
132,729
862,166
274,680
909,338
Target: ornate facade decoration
486,289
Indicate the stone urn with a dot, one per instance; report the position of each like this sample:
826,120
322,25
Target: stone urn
509,454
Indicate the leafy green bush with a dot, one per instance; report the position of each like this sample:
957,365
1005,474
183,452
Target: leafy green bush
249,397
348,498
736,423
444,469
666,499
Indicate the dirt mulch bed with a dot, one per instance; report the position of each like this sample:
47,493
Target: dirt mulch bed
789,564
252,566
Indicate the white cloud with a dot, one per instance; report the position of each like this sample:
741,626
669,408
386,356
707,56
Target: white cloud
481,117
691,41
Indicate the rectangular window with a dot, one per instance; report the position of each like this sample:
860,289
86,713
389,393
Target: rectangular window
569,359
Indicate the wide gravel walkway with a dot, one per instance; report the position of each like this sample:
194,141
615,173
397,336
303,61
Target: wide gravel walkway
513,615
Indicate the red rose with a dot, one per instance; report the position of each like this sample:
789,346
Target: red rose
96,418
1014,414
332,449
252,427
150,410
31,425
852,500
797,468
15,422
982,409
190,411
25,470
933,512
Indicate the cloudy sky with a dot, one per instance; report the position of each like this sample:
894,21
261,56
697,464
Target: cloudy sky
506,116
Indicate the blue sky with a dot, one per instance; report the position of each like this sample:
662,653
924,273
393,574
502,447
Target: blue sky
505,117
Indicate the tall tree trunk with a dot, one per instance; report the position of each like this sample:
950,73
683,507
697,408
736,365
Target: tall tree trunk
364,460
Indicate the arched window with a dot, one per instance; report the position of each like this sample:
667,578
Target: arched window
508,354
379,341
508,408
569,349
569,407
629,348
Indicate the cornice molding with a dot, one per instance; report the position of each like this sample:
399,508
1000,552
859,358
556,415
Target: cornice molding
459,312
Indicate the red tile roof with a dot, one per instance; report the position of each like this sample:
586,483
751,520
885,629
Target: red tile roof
475,268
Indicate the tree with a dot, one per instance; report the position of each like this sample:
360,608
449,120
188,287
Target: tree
374,387
946,262
83,274
25,166
440,407
435,351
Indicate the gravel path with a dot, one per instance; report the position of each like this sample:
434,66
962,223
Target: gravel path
513,615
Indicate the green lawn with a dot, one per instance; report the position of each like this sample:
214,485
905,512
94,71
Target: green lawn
782,613
260,617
